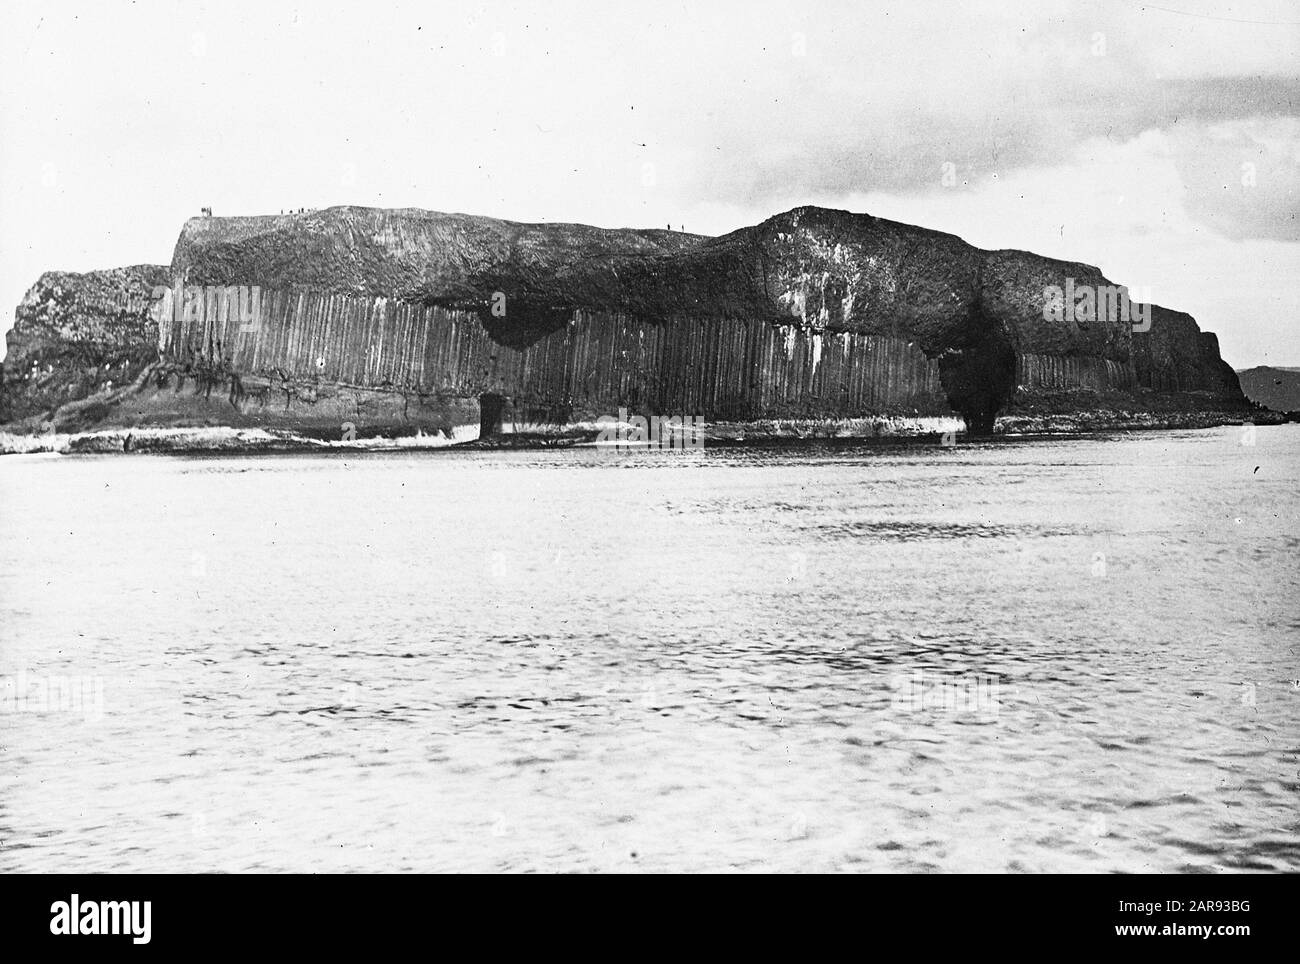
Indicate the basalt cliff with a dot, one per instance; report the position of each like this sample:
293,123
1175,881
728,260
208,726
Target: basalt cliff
366,322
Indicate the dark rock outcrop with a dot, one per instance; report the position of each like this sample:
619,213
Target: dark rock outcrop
76,335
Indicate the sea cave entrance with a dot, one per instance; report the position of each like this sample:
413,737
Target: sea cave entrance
979,378
491,413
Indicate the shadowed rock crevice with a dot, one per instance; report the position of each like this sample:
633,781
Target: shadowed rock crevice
491,411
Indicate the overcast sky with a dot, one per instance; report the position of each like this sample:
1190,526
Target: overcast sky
1160,143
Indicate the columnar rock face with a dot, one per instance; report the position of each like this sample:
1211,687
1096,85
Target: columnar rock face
408,317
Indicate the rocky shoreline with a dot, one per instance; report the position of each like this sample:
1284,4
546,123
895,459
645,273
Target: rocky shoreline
218,440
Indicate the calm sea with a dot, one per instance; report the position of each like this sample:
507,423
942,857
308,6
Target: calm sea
1070,654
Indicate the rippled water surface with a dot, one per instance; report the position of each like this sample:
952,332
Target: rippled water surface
1035,655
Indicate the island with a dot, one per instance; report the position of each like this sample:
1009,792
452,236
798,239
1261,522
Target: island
354,324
